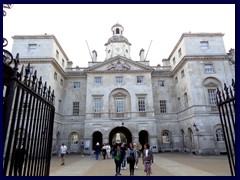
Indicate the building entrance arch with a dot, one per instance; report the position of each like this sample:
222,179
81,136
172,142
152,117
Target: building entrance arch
125,135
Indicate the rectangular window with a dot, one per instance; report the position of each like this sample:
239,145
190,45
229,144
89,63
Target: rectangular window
180,52
57,54
76,85
163,107
98,80
119,80
204,44
75,108
160,83
97,105
139,79
141,104
119,105
61,82
63,62
212,97
208,68
32,47
182,73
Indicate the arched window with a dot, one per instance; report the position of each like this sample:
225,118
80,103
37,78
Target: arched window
74,138
190,132
219,134
117,31
166,136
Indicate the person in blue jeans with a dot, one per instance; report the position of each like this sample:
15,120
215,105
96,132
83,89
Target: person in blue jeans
124,149
97,150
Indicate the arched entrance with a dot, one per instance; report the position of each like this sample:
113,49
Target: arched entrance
125,134
96,137
143,137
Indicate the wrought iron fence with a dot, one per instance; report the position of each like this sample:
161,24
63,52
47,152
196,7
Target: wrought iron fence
226,108
28,116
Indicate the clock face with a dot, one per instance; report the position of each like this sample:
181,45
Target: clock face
117,50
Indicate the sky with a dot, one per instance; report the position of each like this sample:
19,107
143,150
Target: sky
154,27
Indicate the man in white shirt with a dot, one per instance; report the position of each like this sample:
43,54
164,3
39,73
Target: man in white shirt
63,151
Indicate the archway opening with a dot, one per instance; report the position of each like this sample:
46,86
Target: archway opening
125,135
96,137
143,138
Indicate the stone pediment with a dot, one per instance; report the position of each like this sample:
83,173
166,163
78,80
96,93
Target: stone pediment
118,64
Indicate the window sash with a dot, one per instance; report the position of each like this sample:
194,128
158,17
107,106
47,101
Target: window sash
119,80
98,80
119,105
208,68
97,105
140,79
75,108
76,85
163,108
141,104
212,97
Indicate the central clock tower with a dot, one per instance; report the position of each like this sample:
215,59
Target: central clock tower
117,45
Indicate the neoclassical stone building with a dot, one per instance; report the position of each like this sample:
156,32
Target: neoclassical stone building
172,107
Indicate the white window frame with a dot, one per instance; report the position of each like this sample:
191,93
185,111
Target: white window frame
76,85
204,44
141,104
166,137
74,139
219,135
76,106
119,102
208,68
32,47
212,97
98,80
97,105
163,106
161,83
119,80
140,79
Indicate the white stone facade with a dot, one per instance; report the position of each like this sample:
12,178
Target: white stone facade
158,105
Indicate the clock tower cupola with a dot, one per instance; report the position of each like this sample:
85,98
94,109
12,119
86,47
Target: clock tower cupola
117,45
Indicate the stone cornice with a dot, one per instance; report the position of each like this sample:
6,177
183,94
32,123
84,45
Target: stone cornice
193,35
198,58
44,61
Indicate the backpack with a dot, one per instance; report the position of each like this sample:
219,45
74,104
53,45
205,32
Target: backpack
131,157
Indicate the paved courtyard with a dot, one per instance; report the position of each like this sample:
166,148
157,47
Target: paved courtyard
165,164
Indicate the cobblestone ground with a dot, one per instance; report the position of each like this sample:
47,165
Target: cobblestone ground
165,164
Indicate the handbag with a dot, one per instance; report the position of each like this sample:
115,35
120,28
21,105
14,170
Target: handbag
129,159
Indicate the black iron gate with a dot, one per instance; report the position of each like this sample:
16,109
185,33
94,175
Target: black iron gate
226,107
28,116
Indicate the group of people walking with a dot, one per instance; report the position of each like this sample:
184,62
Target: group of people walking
131,154
122,154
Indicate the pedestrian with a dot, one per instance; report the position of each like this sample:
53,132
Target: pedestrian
147,158
19,159
104,151
97,150
63,151
124,150
131,158
82,149
118,156
137,159
108,149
